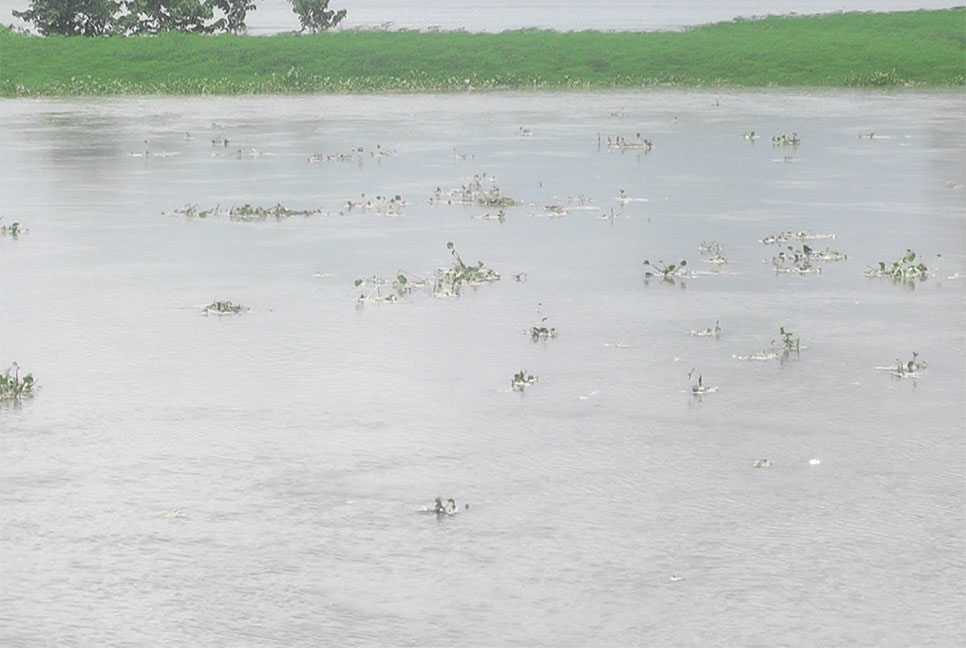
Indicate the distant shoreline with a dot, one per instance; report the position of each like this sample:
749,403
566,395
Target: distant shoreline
924,49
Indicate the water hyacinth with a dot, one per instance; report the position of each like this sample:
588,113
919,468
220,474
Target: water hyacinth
15,388
482,190
904,271
450,281
223,308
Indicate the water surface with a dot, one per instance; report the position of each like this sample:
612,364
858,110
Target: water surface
299,440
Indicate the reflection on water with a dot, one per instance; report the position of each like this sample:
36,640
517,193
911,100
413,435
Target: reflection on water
256,479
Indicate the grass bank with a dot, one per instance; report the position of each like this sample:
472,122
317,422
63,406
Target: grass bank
925,48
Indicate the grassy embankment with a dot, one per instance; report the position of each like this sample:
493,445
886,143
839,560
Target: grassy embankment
925,48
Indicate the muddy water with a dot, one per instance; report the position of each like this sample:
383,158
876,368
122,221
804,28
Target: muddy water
257,479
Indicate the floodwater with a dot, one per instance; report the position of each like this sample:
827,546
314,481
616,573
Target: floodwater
258,479
274,16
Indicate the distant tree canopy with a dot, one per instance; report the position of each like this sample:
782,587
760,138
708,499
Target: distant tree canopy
134,17
315,15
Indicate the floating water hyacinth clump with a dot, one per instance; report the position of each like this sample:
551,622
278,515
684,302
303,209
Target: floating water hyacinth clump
541,331
15,388
636,143
795,261
711,331
909,369
224,308
482,190
786,140
904,271
243,213
777,351
521,380
378,205
802,235
450,281
698,388
667,273
378,290
751,136
14,230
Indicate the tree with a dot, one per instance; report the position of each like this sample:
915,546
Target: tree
235,12
157,16
71,17
315,15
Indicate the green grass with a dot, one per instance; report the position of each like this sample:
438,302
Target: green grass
918,48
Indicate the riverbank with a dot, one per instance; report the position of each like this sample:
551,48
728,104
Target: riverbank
918,48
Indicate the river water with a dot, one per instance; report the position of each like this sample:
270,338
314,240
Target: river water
273,16
258,479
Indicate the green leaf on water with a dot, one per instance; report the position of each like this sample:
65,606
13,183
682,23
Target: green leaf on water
357,283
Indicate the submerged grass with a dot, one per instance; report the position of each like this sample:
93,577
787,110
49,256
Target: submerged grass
835,50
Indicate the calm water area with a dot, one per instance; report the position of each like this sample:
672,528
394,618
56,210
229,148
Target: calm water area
273,16
260,479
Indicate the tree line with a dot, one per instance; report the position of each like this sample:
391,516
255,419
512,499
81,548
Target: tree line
140,17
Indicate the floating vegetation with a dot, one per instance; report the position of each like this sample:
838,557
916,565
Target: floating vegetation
795,261
224,308
371,288
750,136
621,143
904,271
499,215
762,463
698,388
666,272
380,205
521,380
450,281
580,201
908,369
355,154
15,388
785,140
710,248
482,191
244,213
789,345
553,211
524,132
541,331
713,331
449,508
624,199
786,236
13,230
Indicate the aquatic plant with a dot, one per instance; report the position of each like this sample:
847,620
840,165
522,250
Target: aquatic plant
379,205
482,190
667,272
710,248
802,235
904,271
789,343
714,331
15,388
762,463
450,281
909,369
750,136
621,143
243,213
698,388
223,308
521,380
795,261
13,230
541,331
785,140
371,288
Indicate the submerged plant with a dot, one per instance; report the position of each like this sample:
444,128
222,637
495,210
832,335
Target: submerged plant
450,281
223,308
521,379
15,388
903,271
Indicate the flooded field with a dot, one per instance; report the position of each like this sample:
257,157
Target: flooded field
260,477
